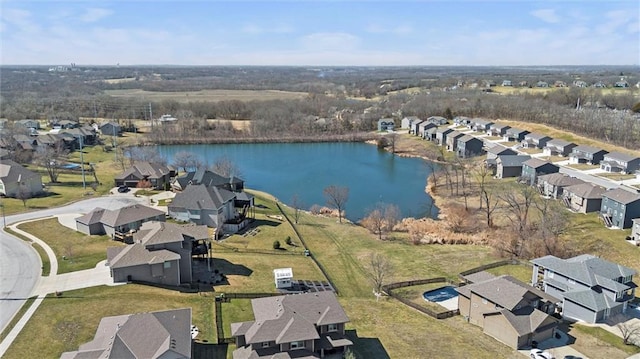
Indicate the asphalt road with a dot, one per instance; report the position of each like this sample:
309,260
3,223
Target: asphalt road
20,265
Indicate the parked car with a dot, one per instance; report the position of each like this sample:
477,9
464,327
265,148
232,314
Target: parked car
540,354
123,189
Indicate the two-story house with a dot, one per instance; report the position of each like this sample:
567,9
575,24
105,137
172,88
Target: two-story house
423,127
452,140
635,230
514,134
309,325
551,185
535,140
497,130
620,206
161,253
480,125
620,162
592,289
535,167
469,146
153,175
498,150
441,135
415,127
437,120
461,120
406,122
508,310
386,124
558,147
586,154
510,165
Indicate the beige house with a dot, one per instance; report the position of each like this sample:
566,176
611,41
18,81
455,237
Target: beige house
508,310
117,222
155,335
16,181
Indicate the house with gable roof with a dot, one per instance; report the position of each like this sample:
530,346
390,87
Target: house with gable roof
583,198
498,150
619,206
620,162
441,135
469,146
534,167
119,221
509,310
514,134
407,121
535,140
308,325
498,130
558,147
452,140
14,179
635,230
423,127
552,184
591,289
510,165
161,253
157,175
154,335
386,124
586,154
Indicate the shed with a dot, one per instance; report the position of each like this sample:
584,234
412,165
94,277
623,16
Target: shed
283,277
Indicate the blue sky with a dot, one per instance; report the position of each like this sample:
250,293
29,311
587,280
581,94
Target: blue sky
389,33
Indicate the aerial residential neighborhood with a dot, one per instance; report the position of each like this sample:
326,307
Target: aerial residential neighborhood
319,180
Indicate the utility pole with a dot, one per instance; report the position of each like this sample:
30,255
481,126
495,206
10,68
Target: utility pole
115,142
151,115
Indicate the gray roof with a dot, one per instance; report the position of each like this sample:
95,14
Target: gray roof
497,126
199,197
506,291
557,142
479,276
527,320
11,172
536,136
559,179
587,149
144,335
455,134
207,178
444,130
587,269
512,160
137,254
622,195
482,122
586,190
516,131
468,138
290,318
121,216
499,149
536,163
141,170
593,300
619,156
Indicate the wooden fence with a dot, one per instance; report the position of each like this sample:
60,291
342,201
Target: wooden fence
388,289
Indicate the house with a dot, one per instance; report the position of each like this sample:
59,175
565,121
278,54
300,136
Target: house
559,83
430,134
85,134
510,165
117,222
558,147
110,129
27,124
452,140
535,140
146,174
283,277
437,120
423,127
209,179
586,154
635,230
591,289
620,206
18,182
414,127
552,185
211,206
535,167
583,198
154,335
498,150
514,134
65,124
620,162
308,325
580,83
509,310
386,124
480,125
621,84
542,84
408,121
441,135
161,253
497,130
599,84
461,121
506,83
469,146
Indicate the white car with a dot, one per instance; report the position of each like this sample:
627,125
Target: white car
540,354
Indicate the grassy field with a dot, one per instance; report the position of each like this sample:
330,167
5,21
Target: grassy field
81,251
17,317
208,95
617,176
609,345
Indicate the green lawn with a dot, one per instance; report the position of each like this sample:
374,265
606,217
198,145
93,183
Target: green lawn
81,251
519,271
617,176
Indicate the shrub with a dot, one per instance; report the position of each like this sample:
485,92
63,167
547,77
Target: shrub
288,241
276,244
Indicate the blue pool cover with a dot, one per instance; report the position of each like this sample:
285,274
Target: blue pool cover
440,294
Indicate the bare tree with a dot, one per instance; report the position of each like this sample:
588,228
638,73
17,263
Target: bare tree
146,154
518,202
51,158
379,269
225,167
337,197
553,222
391,140
629,330
186,160
23,194
297,205
374,222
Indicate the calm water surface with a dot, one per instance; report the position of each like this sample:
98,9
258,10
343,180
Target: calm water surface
305,169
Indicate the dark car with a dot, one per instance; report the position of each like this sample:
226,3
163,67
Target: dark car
123,189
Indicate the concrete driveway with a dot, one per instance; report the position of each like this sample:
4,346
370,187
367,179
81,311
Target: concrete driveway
558,347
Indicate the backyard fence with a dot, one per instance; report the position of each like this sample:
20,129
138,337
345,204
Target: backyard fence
388,289
490,266
227,248
324,272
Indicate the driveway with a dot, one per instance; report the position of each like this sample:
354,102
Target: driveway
558,347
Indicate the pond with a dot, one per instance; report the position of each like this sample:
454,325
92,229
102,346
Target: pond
305,169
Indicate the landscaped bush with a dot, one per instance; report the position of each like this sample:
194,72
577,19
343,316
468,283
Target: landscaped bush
288,241
276,244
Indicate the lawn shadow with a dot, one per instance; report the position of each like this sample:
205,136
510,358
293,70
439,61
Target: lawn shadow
265,222
227,268
367,347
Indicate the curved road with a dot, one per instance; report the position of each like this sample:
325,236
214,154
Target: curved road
20,265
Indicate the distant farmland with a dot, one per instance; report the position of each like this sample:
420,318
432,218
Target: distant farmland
208,95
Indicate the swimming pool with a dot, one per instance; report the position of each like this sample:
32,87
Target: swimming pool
440,294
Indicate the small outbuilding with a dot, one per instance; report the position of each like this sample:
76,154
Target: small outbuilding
283,277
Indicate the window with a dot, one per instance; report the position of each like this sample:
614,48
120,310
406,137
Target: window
550,274
332,327
297,345
167,265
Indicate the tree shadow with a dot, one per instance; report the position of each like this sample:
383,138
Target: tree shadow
265,222
367,347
